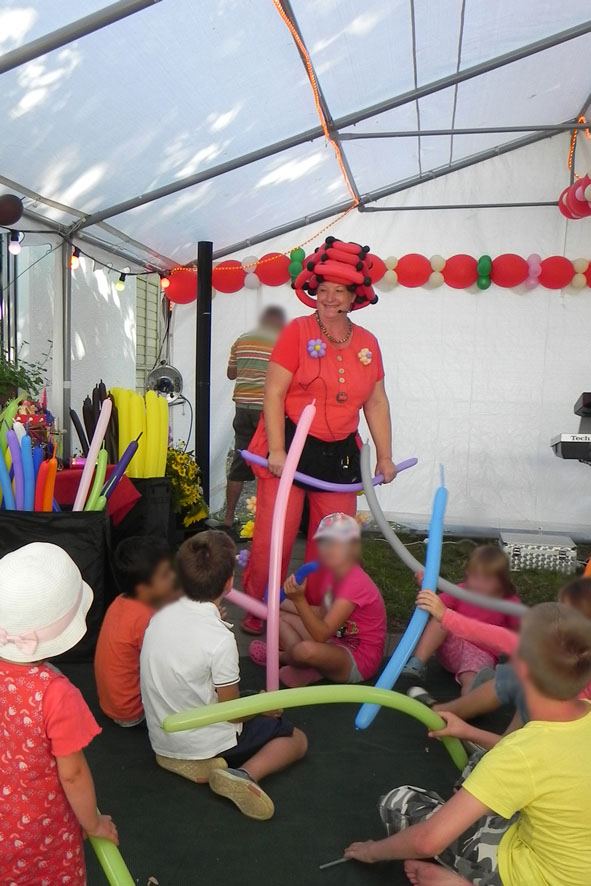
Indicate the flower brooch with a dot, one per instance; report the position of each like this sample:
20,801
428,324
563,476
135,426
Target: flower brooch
365,356
316,348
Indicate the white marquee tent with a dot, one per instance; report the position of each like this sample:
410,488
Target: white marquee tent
186,120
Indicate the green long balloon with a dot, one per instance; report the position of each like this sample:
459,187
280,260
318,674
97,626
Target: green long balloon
311,695
6,419
111,861
99,479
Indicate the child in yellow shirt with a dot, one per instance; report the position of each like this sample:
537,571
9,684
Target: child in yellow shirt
522,815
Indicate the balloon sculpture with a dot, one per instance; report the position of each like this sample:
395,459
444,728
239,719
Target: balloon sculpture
346,263
575,200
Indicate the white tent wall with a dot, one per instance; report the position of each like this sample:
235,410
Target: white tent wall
103,320
478,381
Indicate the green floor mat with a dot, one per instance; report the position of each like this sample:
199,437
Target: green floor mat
181,834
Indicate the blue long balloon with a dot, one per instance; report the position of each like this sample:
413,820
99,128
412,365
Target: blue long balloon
37,458
300,574
368,712
28,474
6,486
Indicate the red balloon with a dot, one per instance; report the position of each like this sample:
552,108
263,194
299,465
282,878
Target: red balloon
565,211
588,275
556,273
577,208
509,270
460,271
183,286
228,276
378,268
273,269
413,270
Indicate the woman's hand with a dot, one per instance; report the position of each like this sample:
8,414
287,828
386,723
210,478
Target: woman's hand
361,851
386,467
454,727
431,603
276,461
294,591
105,828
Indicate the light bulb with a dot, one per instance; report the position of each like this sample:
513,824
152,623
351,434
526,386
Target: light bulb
120,284
14,246
164,282
75,258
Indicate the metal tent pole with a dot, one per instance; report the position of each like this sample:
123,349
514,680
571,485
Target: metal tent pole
517,205
474,130
79,28
203,361
66,349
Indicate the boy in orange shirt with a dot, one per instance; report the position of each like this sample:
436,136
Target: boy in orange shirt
146,580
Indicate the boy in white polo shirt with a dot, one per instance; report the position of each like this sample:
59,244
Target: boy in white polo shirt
189,658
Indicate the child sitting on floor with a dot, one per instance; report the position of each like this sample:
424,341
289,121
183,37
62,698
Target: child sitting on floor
344,640
146,580
190,659
521,817
48,798
487,573
504,687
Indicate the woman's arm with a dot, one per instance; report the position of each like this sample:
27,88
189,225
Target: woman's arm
427,838
277,384
377,413
76,780
320,629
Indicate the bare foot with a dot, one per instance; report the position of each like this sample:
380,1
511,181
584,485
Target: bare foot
423,873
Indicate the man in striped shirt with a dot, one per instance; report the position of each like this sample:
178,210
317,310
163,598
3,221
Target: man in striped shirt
247,367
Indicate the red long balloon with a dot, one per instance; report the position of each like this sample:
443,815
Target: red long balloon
330,269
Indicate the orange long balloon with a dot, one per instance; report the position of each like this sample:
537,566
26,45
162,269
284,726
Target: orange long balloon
587,572
40,485
49,484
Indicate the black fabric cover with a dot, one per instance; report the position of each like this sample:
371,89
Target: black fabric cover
152,515
85,536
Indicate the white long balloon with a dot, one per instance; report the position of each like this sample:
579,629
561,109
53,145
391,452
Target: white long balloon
93,451
407,558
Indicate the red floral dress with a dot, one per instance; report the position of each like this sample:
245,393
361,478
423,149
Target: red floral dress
42,716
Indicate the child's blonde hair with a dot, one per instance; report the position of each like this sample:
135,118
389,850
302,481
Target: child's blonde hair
491,560
577,594
555,643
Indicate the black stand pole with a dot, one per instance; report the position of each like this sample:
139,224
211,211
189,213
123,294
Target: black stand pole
203,360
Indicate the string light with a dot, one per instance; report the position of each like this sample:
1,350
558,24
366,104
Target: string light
164,281
14,246
120,284
75,259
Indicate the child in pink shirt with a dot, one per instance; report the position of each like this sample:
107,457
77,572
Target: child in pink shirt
487,573
344,639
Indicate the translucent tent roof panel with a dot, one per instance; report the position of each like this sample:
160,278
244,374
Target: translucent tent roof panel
363,53
158,96
264,194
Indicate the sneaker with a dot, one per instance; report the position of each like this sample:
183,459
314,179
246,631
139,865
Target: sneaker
414,668
195,770
252,625
420,694
241,789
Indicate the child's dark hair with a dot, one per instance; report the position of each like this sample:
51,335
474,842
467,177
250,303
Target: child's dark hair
577,593
205,563
136,560
491,560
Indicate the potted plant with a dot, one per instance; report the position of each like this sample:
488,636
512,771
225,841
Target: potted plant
18,375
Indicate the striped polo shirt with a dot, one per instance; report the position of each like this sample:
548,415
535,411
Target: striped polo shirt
250,355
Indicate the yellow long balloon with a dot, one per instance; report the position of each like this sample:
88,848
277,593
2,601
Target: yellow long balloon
137,426
163,444
152,434
123,414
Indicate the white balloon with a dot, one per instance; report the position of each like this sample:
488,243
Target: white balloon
587,192
390,277
391,262
580,265
579,281
251,281
437,263
436,279
249,262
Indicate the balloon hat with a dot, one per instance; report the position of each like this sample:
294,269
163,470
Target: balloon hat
337,262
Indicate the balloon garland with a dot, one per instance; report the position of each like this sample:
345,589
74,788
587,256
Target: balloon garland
461,271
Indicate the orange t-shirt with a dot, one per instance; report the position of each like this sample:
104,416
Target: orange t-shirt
117,658
340,379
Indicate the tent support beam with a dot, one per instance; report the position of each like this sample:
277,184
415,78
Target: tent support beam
66,350
203,363
483,130
79,28
440,206
339,123
372,196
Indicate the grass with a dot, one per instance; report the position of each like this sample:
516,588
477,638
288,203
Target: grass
399,588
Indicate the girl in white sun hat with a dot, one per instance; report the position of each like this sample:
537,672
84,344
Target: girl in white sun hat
344,638
48,797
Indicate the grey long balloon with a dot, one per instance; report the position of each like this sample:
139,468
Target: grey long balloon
407,558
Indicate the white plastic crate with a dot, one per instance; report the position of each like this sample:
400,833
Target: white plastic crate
553,553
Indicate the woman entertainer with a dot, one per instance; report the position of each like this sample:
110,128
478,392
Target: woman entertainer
327,358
